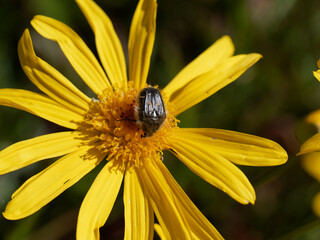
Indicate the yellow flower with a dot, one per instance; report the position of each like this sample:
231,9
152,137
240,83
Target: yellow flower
310,151
106,128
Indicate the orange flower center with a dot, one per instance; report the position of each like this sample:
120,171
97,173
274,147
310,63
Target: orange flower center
114,130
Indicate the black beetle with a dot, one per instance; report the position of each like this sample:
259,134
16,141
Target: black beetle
150,112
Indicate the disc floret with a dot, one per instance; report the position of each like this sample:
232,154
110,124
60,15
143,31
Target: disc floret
114,130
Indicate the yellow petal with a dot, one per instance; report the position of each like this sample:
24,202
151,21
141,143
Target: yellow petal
311,164
138,216
200,227
159,231
219,52
163,202
107,42
141,40
77,52
48,184
178,216
208,83
314,118
311,145
26,152
97,204
316,204
214,169
49,80
317,74
41,106
239,148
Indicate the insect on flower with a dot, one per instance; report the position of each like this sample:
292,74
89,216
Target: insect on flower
150,112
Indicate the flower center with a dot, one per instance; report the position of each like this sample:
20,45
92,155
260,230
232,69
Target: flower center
113,128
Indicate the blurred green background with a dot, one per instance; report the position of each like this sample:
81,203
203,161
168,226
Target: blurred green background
269,100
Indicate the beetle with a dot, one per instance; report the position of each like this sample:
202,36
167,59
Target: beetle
150,112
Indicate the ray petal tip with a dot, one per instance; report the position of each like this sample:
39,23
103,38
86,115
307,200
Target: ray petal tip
25,33
283,155
4,214
25,44
9,214
303,150
256,56
228,40
245,200
36,18
299,153
253,199
316,74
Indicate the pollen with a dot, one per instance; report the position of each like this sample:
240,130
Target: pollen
113,129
